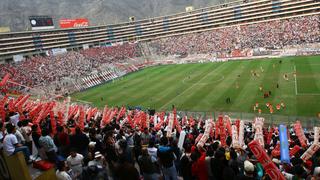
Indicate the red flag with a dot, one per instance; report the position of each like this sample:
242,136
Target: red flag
269,167
33,113
81,118
112,115
44,112
178,126
108,115
137,118
217,129
5,80
222,131
192,122
60,118
20,103
11,105
270,135
2,109
29,106
89,114
93,113
72,111
300,134
40,115
294,150
104,113
276,151
17,100
228,125
53,123
121,113
159,125
130,120
143,120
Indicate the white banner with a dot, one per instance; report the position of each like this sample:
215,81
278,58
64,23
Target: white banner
235,139
258,124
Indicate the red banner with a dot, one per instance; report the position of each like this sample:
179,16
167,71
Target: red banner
300,133
261,155
5,80
73,23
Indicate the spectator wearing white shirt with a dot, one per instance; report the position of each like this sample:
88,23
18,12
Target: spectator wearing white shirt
75,162
152,150
61,172
11,145
99,160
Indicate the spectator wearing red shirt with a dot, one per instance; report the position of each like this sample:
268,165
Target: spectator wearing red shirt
62,141
199,167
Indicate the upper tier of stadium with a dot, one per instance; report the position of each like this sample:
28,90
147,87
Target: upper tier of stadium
31,43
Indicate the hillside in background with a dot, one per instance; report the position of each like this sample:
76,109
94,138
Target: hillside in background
15,13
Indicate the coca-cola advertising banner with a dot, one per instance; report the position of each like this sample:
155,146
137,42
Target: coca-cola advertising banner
73,23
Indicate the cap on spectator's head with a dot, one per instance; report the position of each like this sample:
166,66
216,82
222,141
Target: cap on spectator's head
248,167
97,154
92,144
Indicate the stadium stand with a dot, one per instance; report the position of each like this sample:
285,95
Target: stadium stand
75,71
28,43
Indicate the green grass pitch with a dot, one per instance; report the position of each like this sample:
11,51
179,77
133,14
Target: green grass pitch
205,87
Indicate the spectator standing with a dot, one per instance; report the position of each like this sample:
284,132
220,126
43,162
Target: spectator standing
46,142
80,142
166,160
75,162
62,141
148,166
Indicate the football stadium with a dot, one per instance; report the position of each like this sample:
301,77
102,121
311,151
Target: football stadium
171,90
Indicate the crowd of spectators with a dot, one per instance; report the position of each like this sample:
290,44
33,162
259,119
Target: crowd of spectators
40,71
271,34
120,151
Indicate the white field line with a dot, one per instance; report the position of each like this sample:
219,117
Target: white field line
295,79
